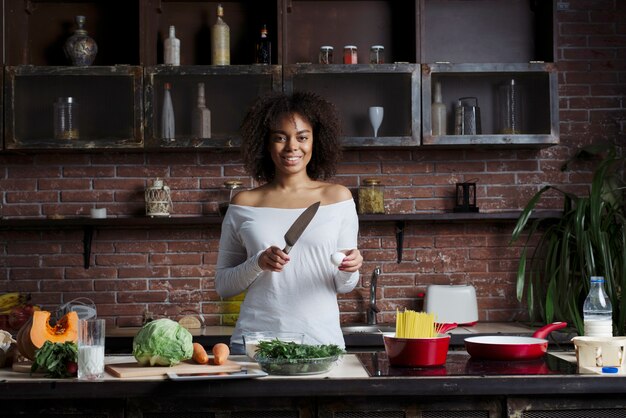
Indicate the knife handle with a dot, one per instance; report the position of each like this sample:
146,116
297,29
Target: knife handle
287,249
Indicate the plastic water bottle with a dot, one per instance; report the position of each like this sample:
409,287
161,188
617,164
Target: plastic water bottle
597,310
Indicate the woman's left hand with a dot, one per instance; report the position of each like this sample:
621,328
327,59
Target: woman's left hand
352,261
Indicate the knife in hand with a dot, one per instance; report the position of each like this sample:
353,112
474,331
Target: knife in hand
298,227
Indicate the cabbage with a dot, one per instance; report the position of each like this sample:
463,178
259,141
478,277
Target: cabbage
162,342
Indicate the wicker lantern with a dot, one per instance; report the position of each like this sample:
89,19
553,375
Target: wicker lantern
158,199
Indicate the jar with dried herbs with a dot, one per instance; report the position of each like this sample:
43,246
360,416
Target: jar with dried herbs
371,197
230,189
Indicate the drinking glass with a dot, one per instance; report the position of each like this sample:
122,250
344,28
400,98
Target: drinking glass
376,118
91,349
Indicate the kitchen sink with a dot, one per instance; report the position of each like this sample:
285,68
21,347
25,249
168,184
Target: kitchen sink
367,329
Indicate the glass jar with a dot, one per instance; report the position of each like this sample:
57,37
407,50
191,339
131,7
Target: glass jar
229,190
326,55
350,54
377,54
371,197
65,118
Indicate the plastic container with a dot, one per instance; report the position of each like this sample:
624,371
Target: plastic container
326,55
597,310
600,351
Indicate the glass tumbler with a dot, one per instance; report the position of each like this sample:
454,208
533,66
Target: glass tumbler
66,111
91,349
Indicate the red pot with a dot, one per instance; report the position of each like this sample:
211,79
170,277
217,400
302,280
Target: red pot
417,352
512,348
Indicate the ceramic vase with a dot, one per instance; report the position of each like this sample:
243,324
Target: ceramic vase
80,48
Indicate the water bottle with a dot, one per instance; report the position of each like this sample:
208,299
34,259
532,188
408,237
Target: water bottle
597,310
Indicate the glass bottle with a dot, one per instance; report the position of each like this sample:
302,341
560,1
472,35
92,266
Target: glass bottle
510,108
263,48
171,48
167,115
597,310
371,197
230,189
201,116
80,48
438,112
220,40
65,118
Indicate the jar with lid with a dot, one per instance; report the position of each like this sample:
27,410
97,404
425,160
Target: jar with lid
228,191
65,118
371,197
377,54
350,54
326,55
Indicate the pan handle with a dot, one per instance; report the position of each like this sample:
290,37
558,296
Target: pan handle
547,329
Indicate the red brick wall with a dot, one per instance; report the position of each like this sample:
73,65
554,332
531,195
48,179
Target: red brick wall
167,271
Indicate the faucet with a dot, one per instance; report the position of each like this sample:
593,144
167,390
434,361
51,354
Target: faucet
372,310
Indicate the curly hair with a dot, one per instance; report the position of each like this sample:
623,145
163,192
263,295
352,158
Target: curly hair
264,116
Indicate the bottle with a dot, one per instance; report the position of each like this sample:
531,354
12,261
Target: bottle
201,116
597,310
171,48
167,115
220,40
438,113
264,48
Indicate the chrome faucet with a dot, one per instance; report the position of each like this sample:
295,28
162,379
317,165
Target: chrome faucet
373,309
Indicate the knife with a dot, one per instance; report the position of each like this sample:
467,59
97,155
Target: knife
298,227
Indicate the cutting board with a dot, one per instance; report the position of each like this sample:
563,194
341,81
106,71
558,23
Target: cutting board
135,370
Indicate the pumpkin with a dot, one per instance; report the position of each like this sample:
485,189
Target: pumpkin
34,333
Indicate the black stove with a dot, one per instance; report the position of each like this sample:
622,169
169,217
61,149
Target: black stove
459,363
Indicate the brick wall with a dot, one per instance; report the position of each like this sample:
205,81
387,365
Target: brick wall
168,271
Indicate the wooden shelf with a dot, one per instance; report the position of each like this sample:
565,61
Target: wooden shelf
89,225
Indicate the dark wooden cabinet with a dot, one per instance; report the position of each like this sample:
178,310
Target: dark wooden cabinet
469,47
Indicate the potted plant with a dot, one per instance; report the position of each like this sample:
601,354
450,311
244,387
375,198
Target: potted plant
588,239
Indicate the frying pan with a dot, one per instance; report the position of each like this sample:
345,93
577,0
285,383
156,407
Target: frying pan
512,348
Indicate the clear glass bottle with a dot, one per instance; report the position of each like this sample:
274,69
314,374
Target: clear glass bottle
438,112
65,118
371,197
326,55
597,310
171,48
263,48
510,108
230,189
167,115
220,40
377,54
201,116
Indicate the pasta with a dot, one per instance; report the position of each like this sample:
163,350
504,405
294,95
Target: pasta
411,324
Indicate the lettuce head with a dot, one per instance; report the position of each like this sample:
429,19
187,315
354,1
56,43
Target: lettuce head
162,342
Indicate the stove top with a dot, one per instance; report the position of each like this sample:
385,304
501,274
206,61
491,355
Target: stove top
459,363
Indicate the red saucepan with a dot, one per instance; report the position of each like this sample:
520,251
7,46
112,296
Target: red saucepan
512,348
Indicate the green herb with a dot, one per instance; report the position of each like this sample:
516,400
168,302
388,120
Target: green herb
276,349
57,359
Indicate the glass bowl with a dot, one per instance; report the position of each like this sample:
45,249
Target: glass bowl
293,367
251,339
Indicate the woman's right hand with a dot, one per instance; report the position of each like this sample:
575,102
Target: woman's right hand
273,259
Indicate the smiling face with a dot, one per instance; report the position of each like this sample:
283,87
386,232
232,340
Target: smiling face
291,144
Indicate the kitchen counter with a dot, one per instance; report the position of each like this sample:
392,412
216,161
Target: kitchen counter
367,377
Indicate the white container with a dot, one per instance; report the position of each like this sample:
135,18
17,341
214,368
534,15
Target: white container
98,213
452,303
599,351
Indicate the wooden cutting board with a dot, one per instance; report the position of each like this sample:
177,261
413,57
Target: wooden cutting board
135,370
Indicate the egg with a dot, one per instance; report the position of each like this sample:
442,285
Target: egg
337,258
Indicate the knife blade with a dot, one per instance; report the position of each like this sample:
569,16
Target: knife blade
299,225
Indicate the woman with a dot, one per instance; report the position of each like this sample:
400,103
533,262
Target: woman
290,144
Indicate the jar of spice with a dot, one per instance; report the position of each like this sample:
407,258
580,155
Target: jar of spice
371,197
230,189
377,54
326,55
350,54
